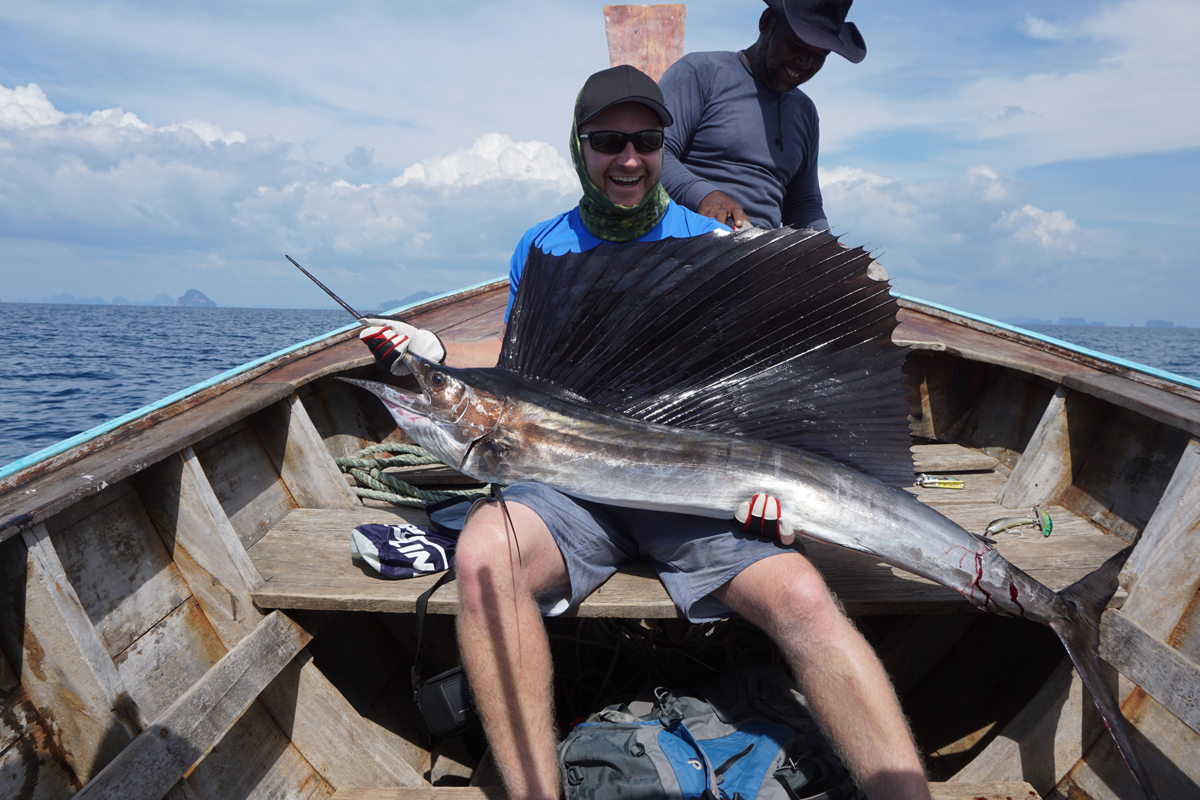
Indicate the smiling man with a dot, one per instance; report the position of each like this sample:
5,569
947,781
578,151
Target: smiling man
569,547
617,149
744,144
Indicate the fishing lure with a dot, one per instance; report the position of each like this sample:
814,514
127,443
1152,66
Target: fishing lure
1038,516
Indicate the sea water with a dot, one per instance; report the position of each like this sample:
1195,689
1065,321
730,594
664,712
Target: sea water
67,368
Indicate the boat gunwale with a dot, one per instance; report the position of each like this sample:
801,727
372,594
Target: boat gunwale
1102,362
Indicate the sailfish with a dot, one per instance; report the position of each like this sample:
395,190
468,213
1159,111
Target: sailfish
687,375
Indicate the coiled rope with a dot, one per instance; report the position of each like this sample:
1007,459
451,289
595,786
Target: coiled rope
374,483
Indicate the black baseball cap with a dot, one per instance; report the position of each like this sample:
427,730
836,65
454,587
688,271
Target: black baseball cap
623,84
822,23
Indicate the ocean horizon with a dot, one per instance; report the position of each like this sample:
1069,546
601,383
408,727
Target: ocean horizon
67,368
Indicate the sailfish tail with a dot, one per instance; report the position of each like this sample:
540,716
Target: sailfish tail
1079,630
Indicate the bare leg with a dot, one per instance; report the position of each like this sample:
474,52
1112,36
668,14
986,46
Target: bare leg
840,674
503,642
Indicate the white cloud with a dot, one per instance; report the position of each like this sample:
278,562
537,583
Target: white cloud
1031,224
1118,81
1038,28
108,180
494,156
976,243
27,106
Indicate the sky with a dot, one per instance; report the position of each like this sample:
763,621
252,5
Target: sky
1017,160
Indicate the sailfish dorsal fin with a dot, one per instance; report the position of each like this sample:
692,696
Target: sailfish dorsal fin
776,335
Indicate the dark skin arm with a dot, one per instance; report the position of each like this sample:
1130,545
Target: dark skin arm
724,209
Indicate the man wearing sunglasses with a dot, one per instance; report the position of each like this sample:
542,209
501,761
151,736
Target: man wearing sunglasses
617,149
570,547
744,145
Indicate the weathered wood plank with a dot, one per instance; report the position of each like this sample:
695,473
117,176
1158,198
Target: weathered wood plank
1045,740
119,568
472,316
339,744
345,424
37,500
947,457
305,563
31,769
304,463
648,37
1168,554
1005,415
1169,750
919,329
203,543
942,329
1165,407
65,668
1159,669
169,658
1047,466
247,484
255,761
940,791
161,755
1126,472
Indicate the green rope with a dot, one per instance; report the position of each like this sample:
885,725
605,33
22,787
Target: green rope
376,484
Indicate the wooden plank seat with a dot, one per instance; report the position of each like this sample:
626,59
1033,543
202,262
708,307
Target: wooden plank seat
1016,790
305,563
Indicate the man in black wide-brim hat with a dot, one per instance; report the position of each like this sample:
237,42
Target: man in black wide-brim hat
744,144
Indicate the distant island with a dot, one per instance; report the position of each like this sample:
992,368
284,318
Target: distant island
1027,321
192,298
388,305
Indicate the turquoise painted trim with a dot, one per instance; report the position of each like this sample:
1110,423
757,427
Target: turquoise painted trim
80,438
1158,373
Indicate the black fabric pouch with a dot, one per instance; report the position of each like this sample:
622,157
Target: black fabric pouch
445,703
445,700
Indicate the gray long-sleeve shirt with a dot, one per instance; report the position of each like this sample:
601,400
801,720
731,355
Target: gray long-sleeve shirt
734,134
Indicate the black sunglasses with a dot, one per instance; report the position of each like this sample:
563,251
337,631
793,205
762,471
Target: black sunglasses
612,142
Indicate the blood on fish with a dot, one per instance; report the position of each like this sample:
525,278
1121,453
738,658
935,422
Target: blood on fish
987,596
1012,593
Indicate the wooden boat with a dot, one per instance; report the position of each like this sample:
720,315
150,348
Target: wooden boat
181,615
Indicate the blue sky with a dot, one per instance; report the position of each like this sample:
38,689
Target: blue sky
1012,159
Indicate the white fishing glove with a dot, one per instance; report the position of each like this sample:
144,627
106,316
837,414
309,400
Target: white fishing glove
764,516
389,340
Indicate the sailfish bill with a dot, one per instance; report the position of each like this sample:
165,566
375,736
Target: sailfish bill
689,375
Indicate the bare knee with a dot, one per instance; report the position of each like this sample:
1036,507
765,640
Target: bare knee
494,558
787,597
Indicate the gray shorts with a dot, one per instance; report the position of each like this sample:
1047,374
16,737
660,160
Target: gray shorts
692,555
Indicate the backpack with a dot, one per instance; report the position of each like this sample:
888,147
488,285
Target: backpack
747,735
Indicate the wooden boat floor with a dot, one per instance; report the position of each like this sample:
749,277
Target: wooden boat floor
305,563
940,791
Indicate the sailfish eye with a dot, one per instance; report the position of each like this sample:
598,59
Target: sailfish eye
437,379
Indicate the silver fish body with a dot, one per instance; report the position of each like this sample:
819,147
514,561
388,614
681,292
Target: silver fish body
496,427
589,452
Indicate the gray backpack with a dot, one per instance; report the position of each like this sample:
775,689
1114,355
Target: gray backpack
747,735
